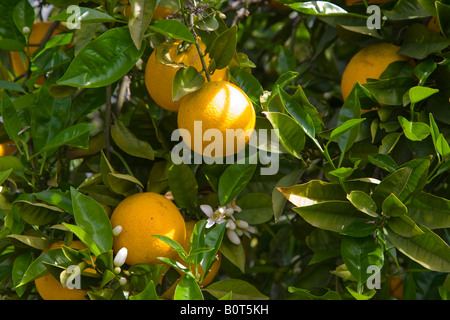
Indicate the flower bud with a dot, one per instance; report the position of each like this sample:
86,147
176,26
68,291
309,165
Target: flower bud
26,30
233,237
242,224
121,257
117,230
123,281
231,225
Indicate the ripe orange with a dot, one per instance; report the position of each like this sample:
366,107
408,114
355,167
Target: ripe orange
215,266
7,148
141,216
219,105
38,33
50,288
396,288
352,2
159,77
161,13
370,62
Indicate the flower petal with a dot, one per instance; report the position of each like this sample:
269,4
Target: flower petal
207,209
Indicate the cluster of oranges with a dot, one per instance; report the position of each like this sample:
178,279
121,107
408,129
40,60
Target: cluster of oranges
218,104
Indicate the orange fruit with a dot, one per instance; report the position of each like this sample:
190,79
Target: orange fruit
50,288
141,216
396,288
38,33
370,62
161,13
159,77
218,105
352,2
7,148
215,266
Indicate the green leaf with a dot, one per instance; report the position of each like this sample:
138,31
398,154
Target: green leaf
418,93
406,9
256,208
241,290
21,263
443,14
345,127
10,118
350,111
37,213
393,207
90,216
427,249
148,294
213,241
291,135
307,295
140,18
188,289
390,91
359,229
312,192
248,83
4,175
442,146
358,296
383,161
183,184
87,15
423,70
173,29
319,8
234,253
330,215
75,136
103,60
430,210
223,48
278,199
233,180
404,226
23,15
363,202
419,42
393,183
389,142
186,80
124,184
8,85
359,254
129,143
298,113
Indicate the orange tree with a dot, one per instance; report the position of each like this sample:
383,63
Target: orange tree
336,197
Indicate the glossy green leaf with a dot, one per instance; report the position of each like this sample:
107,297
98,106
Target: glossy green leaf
419,42
318,8
186,80
223,48
443,14
148,294
127,141
427,249
423,70
124,184
248,83
299,115
103,60
330,215
188,289
278,199
233,180
57,198
256,208
90,216
21,263
234,253
313,192
240,290
383,161
291,135
404,226
213,241
8,85
23,15
393,207
10,118
359,254
406,9
350,111
140,18
75,136
389,142
345,127
183,184
307,295
173,28
363,202
37,213
359,229
393,183
418,178
430,210
87,15
418,93
390,91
